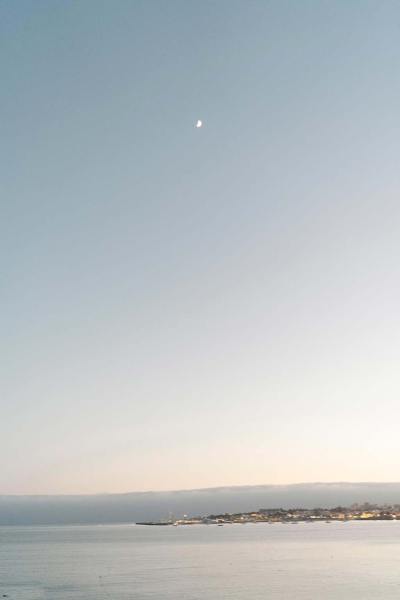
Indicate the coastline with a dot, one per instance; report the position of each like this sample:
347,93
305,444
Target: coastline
365,512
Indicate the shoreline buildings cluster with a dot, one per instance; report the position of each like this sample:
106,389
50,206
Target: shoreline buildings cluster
356,512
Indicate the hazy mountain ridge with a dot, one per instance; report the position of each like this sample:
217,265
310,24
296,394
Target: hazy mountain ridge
137,506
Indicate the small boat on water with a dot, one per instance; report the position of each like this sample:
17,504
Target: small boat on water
159,523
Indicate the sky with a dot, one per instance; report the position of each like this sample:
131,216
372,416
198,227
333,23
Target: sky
189,307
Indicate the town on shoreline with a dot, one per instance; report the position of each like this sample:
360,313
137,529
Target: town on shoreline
355,512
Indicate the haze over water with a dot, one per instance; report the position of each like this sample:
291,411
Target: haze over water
348,561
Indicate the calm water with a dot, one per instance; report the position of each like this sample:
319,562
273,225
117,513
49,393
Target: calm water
246,562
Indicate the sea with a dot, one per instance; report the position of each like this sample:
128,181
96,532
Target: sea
304,561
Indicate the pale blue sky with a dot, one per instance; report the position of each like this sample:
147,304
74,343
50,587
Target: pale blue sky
185,308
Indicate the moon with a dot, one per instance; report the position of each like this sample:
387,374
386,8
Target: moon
199,124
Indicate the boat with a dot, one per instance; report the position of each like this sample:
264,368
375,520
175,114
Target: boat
159,523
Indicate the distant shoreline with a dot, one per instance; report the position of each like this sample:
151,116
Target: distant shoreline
356,512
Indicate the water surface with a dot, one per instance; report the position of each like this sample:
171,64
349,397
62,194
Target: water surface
346,561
